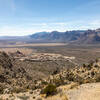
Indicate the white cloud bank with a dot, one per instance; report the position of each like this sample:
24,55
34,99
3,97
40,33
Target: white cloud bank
31,28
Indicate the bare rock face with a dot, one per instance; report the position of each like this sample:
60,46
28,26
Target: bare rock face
10,75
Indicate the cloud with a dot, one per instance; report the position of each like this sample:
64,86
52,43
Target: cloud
15,31
39,24
30,28
95,22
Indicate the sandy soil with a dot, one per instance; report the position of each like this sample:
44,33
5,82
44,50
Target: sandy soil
85,92
36,45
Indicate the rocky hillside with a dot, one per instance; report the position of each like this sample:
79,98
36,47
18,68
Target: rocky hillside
12,77
65,85
88,73
17,69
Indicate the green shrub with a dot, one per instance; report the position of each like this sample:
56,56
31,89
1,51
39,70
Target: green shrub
49,90
84,65
96,66
44,83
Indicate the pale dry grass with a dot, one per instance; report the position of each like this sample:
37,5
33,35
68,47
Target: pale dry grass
67,87
25,51
37,44
90,91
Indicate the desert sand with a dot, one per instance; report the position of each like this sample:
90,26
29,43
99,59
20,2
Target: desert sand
85,92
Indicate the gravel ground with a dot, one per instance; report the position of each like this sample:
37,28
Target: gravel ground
85,92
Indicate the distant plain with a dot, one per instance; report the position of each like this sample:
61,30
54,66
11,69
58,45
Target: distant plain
82,53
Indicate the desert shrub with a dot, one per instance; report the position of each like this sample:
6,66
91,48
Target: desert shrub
44,82
1,90
96,66
98,78
91,63
18,90
55,72
89,67
70,76
49,90
84,65
92,73
97,60
79,79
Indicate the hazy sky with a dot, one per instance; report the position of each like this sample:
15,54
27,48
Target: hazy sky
22,17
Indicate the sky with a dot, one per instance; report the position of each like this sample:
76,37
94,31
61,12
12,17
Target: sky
23,17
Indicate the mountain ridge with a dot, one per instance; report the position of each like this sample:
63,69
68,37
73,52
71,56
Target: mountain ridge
75,36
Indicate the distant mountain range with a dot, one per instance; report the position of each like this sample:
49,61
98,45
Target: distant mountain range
56,36
76,36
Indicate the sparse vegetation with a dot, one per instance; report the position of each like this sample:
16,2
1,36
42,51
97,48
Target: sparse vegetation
49,90
1,89
18,90
20,71
23,97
